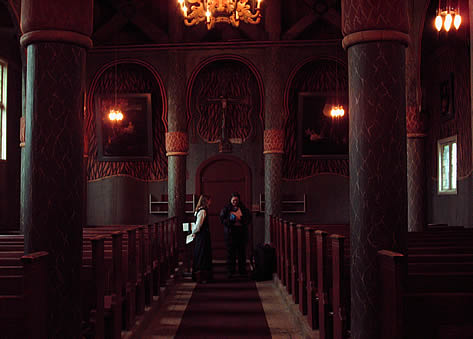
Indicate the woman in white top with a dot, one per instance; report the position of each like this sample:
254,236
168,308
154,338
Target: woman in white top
202,260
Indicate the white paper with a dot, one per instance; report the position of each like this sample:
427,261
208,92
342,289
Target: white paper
189,238
185,227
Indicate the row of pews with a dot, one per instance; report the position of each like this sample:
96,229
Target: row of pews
429,293
426,294
123,268
23,294
313,265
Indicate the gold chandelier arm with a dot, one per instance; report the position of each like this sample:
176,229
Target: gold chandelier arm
234,21
197,13
251,18
245,14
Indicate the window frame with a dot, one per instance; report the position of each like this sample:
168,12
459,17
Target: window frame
453,168
3,108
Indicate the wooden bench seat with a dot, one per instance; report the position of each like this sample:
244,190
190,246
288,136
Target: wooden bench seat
424,304
454,266
23,295
427,315
440,282
439,258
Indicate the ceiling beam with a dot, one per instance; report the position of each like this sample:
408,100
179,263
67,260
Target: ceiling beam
149,28
334,18
110,28
300,26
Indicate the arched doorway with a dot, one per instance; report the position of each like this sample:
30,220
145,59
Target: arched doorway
219,176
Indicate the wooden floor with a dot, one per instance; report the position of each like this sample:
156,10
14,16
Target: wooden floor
283,321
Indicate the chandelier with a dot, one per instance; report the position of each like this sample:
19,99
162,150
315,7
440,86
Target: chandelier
216,11
445,17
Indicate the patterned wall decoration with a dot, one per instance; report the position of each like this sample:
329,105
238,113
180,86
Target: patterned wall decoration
363,15
230,86
316,75
127,77
439,68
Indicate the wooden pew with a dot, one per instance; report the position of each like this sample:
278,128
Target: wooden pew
301,264
293,249
287,257
93,286
281,250
114,284
130,264
326,291
417,304
155,253
23,295
391,276
323,285
311,277
340,287
430,315
274,237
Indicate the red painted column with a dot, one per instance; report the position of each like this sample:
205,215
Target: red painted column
376,38
56,36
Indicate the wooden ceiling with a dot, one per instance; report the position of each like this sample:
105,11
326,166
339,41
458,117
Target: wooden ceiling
138,22
148,21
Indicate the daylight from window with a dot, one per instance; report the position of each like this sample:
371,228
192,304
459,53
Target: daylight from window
447,152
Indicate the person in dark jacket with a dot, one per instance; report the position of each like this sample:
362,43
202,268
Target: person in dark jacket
202,260
235,217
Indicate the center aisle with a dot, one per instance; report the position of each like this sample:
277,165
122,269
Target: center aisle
238,308
224,308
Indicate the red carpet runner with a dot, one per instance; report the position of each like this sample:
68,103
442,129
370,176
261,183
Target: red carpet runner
224,308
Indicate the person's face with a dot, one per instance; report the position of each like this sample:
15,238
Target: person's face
234,201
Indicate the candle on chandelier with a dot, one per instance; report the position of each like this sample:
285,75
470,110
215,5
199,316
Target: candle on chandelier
259,2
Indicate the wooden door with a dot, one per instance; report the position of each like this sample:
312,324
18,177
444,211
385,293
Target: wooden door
219,177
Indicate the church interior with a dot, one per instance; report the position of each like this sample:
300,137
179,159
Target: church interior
344,125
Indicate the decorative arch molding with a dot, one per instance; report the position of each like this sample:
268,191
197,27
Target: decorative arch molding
326,57
295,168
14,7
149,67
155,170
191,104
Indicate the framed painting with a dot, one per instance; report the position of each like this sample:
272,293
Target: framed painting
319,134
124,127
447,98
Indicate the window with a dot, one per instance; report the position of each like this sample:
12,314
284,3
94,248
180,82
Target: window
447,150
3,110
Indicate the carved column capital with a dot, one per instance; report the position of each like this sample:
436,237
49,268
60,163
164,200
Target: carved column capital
374,35
52,21
177,143
273,141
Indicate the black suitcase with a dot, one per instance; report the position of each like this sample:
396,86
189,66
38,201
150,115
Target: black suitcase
265,262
